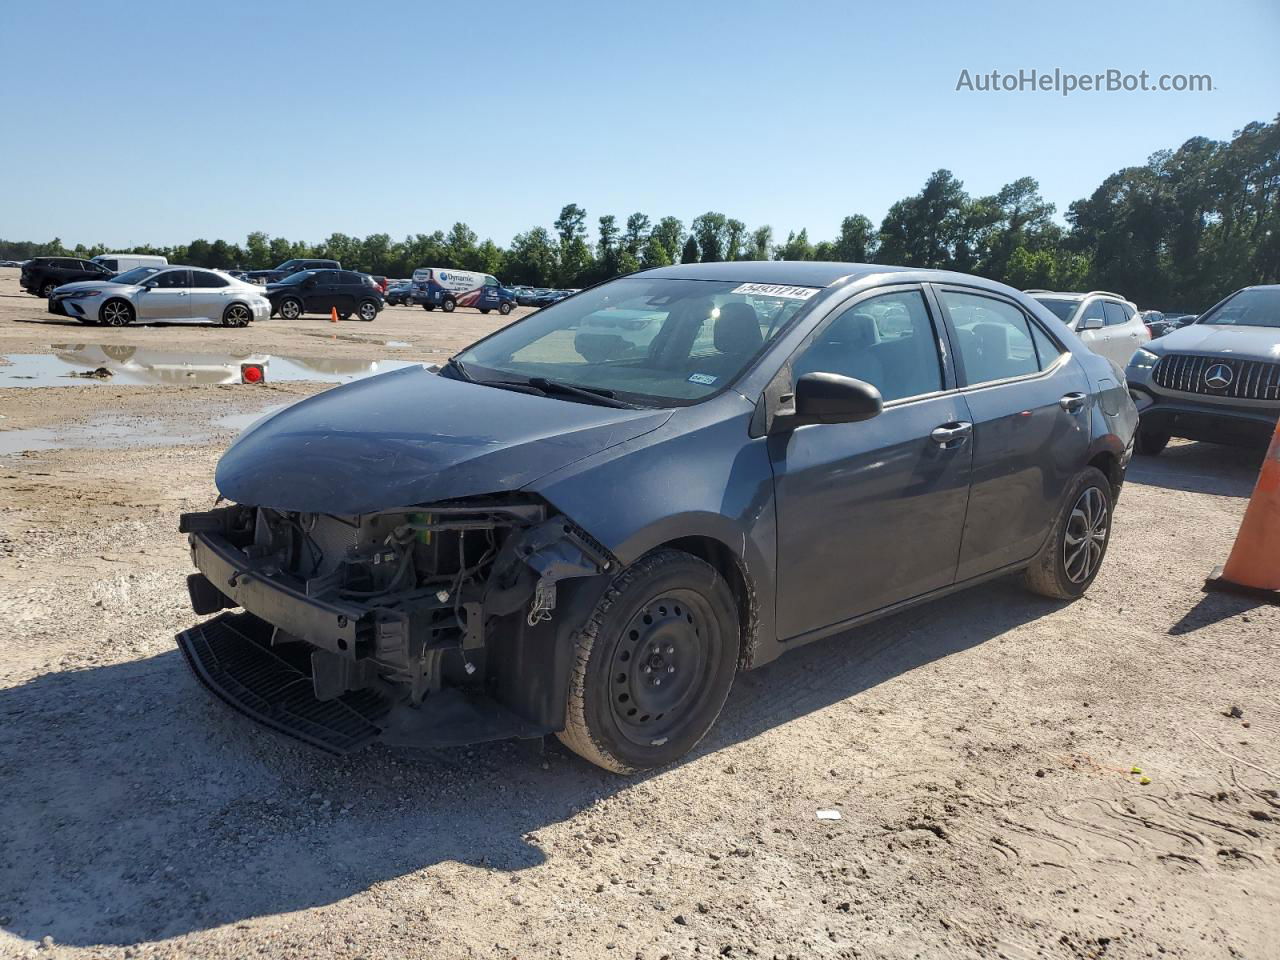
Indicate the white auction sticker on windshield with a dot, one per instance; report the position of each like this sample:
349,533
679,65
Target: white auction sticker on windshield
775,290
705,379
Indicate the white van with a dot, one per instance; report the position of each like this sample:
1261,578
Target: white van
446,288
120,262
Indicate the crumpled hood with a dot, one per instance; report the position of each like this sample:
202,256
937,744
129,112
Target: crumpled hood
1249,343
411,437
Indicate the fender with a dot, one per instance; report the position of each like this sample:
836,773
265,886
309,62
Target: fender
714,484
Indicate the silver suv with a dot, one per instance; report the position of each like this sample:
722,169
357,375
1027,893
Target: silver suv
1107,322
1216,380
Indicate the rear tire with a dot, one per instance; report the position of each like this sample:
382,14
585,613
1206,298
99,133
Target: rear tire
653,665
1072,555
484,309
428,307
236,315
116,313
47,288
1150,443
449,305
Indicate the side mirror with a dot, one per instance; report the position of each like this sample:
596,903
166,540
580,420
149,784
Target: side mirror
830,398
1090,323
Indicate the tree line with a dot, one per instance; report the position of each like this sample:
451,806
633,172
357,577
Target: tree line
1178,232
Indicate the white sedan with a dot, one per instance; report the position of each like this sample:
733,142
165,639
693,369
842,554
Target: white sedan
162,294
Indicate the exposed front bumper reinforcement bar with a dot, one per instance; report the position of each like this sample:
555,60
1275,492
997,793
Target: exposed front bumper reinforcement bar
233,657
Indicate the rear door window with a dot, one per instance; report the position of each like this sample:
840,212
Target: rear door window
203,278
993,337
1113,313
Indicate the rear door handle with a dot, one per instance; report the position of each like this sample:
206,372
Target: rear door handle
952,435
1072,402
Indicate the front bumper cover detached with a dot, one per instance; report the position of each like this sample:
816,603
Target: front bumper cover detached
232,656
322,669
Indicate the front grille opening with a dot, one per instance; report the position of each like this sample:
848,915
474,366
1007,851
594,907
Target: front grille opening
1246,379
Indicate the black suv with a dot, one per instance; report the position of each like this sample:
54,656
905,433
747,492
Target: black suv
41,275
319,291
289,268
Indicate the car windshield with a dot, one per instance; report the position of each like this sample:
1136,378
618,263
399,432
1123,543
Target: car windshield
136,275
1248,308
1062,309
642,340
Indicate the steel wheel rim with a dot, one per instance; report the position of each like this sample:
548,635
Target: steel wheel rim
661,666
289,310
238,315
116,314
1086,535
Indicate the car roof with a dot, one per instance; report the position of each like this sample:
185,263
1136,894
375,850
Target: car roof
814,273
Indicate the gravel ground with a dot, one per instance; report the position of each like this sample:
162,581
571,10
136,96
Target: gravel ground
979,750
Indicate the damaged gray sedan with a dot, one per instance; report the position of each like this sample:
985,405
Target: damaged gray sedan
588,522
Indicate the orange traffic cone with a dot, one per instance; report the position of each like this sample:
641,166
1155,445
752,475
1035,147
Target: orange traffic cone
1253,567
333,315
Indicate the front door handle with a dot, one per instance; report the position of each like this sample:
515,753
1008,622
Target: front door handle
952,435
1072,402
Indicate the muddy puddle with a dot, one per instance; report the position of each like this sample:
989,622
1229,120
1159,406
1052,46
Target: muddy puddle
100,433
87,365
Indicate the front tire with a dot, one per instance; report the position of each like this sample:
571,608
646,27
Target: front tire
504,308
367,310
654,664
236,315
116,313
1150,443
449,305
1072,556
290,308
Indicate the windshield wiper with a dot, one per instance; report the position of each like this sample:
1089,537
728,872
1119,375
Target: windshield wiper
596,395
542,387
454,364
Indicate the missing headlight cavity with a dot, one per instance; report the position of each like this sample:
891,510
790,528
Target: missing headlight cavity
399,597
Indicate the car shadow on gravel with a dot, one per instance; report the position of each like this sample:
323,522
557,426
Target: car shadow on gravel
137,808
1200,468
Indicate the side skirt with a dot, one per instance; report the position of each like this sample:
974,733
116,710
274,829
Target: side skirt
853,622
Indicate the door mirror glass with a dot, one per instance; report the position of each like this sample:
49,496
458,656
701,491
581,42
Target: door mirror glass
832,398
1090,323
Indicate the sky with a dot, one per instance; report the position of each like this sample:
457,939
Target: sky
158,123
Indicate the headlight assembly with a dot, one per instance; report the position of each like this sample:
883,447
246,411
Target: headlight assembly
1143,359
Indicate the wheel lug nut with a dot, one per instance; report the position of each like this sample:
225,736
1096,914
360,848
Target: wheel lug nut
647,669
670,649
657,681
671,669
